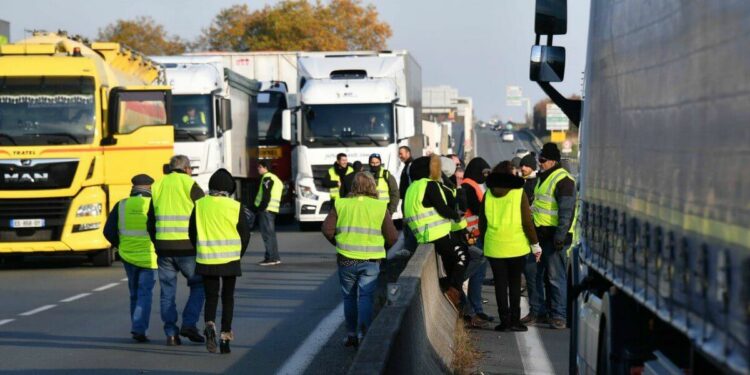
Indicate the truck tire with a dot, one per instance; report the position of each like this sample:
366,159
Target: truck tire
102,258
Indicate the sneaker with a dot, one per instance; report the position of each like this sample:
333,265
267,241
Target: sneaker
210,333
351,341
486,317
557,323
192,334
478,322
529,319
226,337
140,337
269,263
174,341
518,327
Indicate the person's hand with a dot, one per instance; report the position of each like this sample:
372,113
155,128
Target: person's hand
537,251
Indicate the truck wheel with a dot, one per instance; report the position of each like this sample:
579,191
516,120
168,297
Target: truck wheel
103,258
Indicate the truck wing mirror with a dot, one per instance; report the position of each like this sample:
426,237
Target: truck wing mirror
547,64
405,122
286,125
551,17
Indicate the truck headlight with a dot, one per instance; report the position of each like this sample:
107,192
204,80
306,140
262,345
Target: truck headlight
307,192
85,210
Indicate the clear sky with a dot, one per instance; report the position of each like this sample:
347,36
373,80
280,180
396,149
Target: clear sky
478,46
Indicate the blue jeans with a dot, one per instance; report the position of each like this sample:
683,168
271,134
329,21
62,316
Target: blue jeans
141,285
358,280
534,274
268,232
476,271
169,267
554,265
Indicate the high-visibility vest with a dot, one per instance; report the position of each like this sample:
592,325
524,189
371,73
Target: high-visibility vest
426,224
472,219
275,201
382,178
172,206
544,208
186,119
358,227
218,241
135,243
455,225
505,237
335,178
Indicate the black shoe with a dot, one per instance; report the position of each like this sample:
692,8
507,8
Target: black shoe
518,327
502,327
486,317
192,334
173,341
351,341
210,333
489,282
139,337
224,347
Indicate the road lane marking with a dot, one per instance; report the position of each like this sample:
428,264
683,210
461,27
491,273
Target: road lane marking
37,310
533,355
125,279
75,297
105,287
6,321
306,352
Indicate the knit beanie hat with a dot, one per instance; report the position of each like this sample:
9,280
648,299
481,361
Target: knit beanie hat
529,160
221,180
550,152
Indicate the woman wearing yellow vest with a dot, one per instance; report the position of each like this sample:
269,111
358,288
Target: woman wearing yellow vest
508,229
126,230
220,231
361,228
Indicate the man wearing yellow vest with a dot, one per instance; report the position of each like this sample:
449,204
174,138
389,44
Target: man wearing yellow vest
360,227
220,232
173,198
266,207
193,118
126,230
385,182
336,174
553,210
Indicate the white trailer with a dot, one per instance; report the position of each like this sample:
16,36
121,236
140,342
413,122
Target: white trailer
358,103
212,110
431,133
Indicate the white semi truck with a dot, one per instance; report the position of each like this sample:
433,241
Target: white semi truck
358,103
212,110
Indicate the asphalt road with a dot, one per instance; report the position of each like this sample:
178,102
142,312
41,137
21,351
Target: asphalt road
59,315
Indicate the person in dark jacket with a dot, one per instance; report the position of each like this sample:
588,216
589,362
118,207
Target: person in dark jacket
348,181
336,174
219,271
404,154
528,173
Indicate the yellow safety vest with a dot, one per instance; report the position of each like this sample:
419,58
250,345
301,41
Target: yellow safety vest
135,243
218,240
383,185
426,224
275,202
172,206
505,237
544,208
461,224
335,178
186,119
358,227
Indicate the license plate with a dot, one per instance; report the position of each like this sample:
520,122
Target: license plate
270,153
27,223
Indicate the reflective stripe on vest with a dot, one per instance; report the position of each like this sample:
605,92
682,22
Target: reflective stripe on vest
426,224
383,185
274,203
216,220
172,206
505,237
358,227
544,207
334,191
135,243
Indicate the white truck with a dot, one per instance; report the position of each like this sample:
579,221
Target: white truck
358,103
212,111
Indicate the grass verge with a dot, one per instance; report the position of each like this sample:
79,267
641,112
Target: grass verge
466,356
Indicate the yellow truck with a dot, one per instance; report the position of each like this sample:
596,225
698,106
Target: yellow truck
77,122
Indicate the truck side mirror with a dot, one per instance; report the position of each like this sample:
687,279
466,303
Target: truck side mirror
286,125
405,122
551,17
547,64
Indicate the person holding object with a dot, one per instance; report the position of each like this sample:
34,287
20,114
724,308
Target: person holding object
360,227
505,222
219,229
125,229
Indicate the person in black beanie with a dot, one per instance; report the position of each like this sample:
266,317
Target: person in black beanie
528,167
220,231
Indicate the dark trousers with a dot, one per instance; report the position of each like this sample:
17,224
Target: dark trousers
454,259
507,273
212,286
268,232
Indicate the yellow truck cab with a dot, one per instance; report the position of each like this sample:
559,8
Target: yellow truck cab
77,122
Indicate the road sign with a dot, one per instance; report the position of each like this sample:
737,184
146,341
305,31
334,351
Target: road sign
557,136
556,119
513,96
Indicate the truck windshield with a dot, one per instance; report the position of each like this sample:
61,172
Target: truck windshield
193,117
347,125
270,106
46,111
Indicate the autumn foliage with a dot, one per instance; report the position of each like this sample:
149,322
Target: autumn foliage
143,34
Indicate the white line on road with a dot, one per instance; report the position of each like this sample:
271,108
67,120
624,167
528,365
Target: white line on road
75,297
125,279
533,356
305,353
105,287
37,310
6,321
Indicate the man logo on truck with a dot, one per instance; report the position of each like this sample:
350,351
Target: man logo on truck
25,177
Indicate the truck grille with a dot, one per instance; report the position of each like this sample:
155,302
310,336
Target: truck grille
28,174
320,174
52,210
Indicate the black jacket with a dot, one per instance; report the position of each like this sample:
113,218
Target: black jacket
111,227
433,198
565,195
341,172
173,248
474,171
227,269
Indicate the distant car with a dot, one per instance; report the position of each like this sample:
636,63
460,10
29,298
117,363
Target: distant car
507,136
521,152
